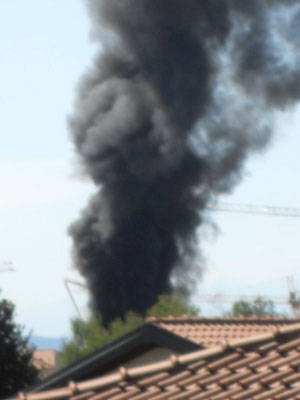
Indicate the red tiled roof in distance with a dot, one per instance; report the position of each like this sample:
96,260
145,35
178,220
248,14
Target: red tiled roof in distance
209,332
266,366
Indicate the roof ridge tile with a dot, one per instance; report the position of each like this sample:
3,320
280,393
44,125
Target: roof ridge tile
243,319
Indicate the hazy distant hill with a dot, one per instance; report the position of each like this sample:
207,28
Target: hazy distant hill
46,343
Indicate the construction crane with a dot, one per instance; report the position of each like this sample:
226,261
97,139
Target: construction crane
255,209
7,266
293,299
69,282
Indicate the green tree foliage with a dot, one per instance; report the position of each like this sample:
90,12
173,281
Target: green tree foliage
16,370
259,307
168,305
90,335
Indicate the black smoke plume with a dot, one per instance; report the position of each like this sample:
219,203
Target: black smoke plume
181,92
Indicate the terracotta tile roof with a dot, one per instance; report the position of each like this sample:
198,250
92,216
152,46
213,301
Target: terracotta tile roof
260,367
131,347
212,331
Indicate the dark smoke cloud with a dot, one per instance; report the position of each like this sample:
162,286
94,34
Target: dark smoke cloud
179,96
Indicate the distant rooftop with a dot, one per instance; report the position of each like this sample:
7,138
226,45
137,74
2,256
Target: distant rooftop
210,332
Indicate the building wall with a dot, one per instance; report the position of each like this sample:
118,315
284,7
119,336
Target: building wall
156,354
151,356
46,361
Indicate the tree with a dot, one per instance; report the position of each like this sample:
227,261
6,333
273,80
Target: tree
169,305
259,307
89,335
16,369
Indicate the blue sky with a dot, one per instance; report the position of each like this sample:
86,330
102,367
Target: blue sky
45,49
